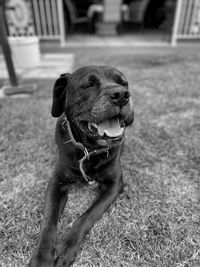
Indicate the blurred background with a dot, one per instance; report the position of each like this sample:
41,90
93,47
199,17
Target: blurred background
144,20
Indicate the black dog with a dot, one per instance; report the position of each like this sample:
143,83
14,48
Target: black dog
94,107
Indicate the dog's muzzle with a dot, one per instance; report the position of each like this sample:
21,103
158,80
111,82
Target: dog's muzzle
111,126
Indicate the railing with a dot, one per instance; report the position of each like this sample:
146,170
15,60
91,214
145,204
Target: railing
187,20
49,19
45,17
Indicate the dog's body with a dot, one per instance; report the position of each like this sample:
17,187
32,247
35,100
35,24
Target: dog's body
93,108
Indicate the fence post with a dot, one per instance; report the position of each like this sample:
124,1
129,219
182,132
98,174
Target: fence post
176,22
61,21
5,46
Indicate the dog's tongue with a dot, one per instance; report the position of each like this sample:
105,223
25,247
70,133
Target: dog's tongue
110,127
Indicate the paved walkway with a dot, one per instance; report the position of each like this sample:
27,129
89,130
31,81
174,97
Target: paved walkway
50,66
137,40
56,59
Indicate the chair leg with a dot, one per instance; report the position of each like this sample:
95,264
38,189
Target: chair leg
71,28
91,26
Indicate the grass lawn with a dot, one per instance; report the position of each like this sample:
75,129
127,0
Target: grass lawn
155,222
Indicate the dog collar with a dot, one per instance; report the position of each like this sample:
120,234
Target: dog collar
87,154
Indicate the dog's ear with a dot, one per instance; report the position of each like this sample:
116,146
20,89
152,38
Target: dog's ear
59,95
130,118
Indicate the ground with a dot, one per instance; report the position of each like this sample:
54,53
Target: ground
155,222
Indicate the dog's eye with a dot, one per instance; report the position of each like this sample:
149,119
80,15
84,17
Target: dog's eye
90,81
122,81
85,85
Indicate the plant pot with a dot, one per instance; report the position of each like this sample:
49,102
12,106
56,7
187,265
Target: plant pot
25,51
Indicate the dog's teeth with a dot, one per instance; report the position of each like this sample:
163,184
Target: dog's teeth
89,126
94,124
122,124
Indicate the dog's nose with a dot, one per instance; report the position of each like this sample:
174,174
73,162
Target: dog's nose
119,96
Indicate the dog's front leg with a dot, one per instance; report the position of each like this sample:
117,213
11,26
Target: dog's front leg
70,244
56,197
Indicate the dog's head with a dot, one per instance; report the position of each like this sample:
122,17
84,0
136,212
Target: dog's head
96,99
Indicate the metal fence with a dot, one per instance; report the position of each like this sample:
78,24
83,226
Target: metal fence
187,20
45,17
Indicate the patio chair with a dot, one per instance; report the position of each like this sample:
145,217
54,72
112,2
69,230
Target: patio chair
74,18
112,14
137,11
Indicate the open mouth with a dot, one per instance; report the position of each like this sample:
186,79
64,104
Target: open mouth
111,128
